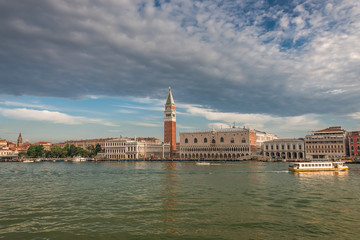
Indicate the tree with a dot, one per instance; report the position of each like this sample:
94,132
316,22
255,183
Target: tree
97,149
35,151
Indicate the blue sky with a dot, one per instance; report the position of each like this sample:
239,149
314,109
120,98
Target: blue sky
90,69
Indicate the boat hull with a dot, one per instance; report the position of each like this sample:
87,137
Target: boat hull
318,169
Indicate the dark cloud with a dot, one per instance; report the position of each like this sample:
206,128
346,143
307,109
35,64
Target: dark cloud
210,54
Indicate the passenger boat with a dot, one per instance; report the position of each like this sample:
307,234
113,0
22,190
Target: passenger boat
79,159
202,163
317,166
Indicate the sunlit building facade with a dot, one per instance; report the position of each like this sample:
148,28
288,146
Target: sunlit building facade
327,144
132,148
225,144
284,148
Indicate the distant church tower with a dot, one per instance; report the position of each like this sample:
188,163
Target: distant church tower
170,123
19,141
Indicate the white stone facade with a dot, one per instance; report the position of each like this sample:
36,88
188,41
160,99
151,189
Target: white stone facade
125,148
4,152
289,149
222,144
262,137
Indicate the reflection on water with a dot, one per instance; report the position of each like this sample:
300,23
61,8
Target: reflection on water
340,175
170,199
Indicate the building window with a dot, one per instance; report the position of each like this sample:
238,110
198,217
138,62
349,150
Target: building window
243,140
221,139
272,147
186,140
267,147
205,140
351,140
294,147
358,148
352,148
232,140
357,140
195,140
213,141
300,147
277,147
282,147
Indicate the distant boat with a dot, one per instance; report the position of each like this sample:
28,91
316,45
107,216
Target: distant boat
28,161
318,166
203,163
79,159
38,160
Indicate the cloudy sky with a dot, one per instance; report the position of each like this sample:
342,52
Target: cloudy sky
75,69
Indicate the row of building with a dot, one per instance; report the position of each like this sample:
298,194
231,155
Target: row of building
222,144
237,143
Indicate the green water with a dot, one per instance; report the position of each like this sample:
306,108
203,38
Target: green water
180,200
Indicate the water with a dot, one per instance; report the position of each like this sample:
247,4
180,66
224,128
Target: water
139,200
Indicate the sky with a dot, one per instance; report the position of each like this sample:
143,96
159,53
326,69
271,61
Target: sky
78,69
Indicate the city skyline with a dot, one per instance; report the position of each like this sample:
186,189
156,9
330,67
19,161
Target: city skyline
95,70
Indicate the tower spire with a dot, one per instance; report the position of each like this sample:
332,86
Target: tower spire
19,141
170,99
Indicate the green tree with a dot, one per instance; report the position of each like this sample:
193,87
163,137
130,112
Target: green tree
97,149
22,154
35,151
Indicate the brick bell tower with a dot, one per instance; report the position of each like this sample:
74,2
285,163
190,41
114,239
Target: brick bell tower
170,123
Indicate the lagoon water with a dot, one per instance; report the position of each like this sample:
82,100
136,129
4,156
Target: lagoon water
176,200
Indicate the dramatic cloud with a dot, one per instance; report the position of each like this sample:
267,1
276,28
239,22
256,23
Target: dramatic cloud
291,58
49,116
258,121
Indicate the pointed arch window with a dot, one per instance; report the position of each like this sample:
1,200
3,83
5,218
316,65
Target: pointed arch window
195,140
232,140
205,140
186,140
243,140
221,139
213,141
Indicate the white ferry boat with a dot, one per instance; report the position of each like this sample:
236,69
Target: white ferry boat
79,159
202,163
317,166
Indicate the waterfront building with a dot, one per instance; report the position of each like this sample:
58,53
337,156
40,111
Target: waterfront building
354,143
225,144
6,152
170,123
3,143
47,145
133,148
284,148
262,137
329,143
84,144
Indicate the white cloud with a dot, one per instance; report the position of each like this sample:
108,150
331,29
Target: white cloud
50,116
355,115
126,111
256,121
20,104
146,124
